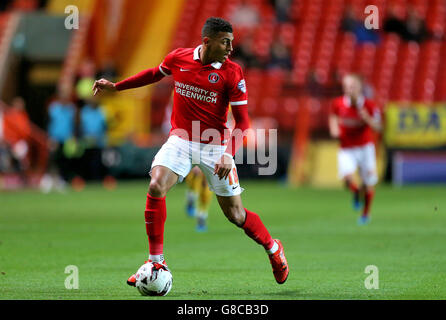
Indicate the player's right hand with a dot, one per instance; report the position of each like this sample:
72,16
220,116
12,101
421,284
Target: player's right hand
103,84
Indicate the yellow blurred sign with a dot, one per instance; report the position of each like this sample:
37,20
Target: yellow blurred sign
126,117
415,126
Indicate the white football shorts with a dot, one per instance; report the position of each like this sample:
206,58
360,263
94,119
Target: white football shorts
181,156
362,157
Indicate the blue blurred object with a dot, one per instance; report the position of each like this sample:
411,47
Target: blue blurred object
93,125
201,225
61,121
419,167
363,220
190,209
356,202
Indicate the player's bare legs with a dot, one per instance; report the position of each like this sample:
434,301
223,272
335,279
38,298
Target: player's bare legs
351,185
369,192
250,222
155,212
163,179
233,209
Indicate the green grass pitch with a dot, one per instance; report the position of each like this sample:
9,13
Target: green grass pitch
102,233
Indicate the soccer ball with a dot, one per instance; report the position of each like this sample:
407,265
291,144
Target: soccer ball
153,279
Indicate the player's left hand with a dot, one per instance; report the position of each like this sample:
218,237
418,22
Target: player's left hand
364,114
223,167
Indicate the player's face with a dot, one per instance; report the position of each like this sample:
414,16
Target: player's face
220,47
351,86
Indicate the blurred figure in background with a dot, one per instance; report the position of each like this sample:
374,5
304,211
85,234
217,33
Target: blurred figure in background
244,54
282,9
61,128
85,81
93,129
280,57
245,16
6,158
393,23
350,23
16,131
352,120
415,27
199,198
412,28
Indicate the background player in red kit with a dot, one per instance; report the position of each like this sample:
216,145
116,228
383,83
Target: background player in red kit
352,119
206,82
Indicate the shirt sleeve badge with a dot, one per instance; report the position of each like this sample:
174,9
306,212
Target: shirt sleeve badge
242,86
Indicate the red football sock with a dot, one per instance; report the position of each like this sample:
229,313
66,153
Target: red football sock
256,230
352,186
368,202
155,216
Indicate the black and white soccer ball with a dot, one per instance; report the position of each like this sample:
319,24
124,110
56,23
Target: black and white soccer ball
153,279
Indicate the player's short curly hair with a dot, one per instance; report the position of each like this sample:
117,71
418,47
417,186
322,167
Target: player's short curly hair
214,25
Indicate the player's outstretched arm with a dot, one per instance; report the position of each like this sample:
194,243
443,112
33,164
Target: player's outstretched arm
140,79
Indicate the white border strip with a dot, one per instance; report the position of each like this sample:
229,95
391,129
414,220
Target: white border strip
161,69
238,103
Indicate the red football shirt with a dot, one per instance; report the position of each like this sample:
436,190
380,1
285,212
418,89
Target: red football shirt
354,131
203,93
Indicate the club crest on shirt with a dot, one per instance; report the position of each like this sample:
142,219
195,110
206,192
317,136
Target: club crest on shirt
213,77
242,86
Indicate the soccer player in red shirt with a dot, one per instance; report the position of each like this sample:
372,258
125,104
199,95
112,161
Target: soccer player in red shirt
352,119
206,82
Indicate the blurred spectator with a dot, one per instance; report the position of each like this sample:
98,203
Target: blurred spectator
17,129
15,134
280,57
61,113
415,27
244,54
350,23
314,85
93,134
282,9
245,16
5,150
61,128
93,125
86,78
393,23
